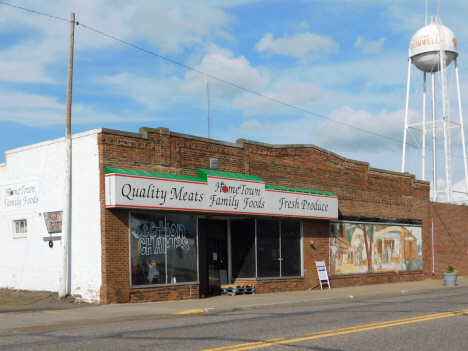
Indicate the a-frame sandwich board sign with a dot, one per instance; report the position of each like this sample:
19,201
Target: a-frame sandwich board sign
322,273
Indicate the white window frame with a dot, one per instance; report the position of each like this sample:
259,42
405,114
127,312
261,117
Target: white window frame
20,234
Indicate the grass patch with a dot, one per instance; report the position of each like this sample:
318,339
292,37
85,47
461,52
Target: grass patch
24,303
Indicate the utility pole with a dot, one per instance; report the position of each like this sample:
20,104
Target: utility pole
65,274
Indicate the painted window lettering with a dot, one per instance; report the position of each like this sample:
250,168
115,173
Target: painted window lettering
153,239
163,248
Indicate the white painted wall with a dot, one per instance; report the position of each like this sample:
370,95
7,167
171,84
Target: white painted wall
27,262
86,278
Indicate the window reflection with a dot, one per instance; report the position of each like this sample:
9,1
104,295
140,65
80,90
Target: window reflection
163,248
278,248
268,248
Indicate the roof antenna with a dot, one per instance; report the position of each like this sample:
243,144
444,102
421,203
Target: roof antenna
208,103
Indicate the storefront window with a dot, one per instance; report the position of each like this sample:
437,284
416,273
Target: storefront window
163,248
181,242
268,248
290,248
243,248
278,248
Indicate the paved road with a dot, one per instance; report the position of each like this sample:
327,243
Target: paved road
431,320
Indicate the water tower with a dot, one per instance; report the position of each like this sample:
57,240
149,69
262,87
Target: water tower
432,49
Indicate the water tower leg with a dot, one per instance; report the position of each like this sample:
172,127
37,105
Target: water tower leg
445,120
406,116
461,124
434,153
424,131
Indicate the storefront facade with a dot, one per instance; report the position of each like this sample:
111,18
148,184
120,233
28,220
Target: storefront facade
172,228
213,229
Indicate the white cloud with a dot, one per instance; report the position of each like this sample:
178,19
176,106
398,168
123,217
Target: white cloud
378,71
289,92
31,109
235,70
16,101
33,59
42,46
254,126
159,93
83,114
286,131
368,46
304,25
152,93
171,29
340,139
156,93
459,186
302,46
23,71
329,135
41,111
339,136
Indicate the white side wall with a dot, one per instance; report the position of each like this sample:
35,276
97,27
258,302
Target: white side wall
28,262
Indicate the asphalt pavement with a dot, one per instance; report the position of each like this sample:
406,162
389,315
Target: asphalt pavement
116,312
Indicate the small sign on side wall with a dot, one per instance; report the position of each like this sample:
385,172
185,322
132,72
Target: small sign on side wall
322,274
53,221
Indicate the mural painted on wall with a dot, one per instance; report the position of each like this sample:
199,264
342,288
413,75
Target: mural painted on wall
364,248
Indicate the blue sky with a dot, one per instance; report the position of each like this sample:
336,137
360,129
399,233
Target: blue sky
344,60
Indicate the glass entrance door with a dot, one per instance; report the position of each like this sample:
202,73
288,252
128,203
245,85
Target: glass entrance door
217,264
213,256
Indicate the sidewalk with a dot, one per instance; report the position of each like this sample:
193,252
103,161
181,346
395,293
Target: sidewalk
213,304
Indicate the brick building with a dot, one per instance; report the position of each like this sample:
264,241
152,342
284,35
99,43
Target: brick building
162,221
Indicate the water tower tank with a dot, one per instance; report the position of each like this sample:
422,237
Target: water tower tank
426,44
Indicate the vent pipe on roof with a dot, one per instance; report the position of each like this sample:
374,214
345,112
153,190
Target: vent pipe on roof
214,163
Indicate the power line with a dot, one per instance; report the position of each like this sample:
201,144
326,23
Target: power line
222,80
37,12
